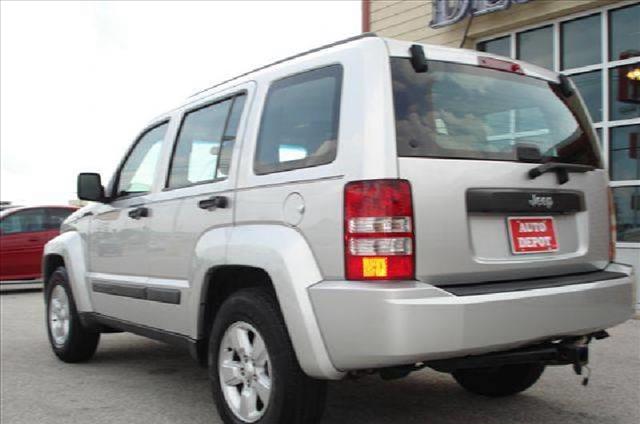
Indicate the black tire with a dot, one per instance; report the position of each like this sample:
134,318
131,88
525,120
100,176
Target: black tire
295,397
499,381
81,343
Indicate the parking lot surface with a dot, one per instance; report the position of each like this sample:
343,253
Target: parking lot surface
135,380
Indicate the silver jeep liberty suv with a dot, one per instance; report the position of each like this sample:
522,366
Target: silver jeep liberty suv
368,206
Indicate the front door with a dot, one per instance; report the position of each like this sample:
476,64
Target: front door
118,241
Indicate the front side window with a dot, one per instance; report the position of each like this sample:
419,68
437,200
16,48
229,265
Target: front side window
463,111
203,150
27,221
137,172
299,126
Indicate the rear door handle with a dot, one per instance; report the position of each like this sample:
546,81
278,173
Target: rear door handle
214,203
140,212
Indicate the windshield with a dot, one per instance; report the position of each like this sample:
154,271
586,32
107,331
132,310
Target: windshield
464,111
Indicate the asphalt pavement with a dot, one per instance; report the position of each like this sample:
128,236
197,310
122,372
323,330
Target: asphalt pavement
134,380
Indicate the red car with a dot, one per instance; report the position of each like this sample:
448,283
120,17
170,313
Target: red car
23,234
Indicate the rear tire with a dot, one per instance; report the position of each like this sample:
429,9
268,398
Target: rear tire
499,381
253,317
70,341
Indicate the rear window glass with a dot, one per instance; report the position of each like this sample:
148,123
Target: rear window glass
463,111
299,125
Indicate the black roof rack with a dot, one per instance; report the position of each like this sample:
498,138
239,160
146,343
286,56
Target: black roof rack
346,40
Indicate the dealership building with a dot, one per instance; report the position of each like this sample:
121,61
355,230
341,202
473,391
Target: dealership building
594,42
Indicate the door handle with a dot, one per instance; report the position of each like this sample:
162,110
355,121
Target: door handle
138,213
214,203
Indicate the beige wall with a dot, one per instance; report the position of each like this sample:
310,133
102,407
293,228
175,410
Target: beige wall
409,19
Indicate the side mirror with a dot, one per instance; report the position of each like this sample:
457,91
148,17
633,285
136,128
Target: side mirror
90,187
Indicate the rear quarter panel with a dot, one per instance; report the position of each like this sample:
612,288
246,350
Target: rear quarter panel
363,152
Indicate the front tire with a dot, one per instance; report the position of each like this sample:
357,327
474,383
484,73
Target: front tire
254,372
499,381
70,341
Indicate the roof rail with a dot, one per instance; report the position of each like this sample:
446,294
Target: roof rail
346,40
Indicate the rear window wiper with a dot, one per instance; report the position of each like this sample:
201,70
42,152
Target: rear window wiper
561,169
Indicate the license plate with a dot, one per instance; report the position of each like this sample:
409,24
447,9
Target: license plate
532,235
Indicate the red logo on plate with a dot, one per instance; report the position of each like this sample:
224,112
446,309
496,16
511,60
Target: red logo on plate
532,235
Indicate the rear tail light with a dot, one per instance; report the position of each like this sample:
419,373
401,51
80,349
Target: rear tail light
378,230
612,227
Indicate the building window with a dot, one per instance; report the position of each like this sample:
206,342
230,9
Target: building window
575,35
627,204
590,86
624,93
536,46
624,38
624,162
500,46
600,51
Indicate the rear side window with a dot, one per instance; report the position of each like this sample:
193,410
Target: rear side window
299,126
136,175
27,221
205,142
463,111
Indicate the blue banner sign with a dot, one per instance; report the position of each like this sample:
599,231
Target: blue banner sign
449,12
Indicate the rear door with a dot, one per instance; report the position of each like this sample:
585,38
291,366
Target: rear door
467,139
197,196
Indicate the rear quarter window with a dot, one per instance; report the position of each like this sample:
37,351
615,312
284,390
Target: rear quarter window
299,125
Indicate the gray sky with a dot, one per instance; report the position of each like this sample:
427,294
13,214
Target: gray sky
79,80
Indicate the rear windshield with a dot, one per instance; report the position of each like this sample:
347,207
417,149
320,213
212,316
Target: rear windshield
464,111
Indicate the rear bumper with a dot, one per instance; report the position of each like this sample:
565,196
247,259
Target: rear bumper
374,325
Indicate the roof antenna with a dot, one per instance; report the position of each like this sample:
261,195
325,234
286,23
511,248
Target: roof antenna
466,30
418,59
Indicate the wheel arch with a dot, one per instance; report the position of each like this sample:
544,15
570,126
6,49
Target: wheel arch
50,263
68,250
221,282
277,257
